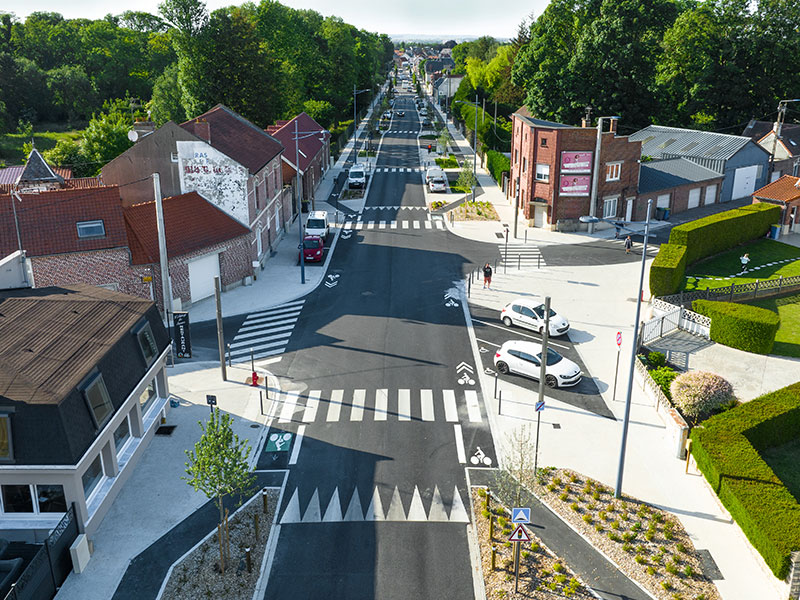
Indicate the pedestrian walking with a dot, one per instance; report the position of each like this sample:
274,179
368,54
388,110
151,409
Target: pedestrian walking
628,245
744,259
487,276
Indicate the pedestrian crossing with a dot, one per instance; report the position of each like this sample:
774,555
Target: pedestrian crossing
399,170
360,225
652,249
380,405
265,332
414,131
524,255
395,208
354,511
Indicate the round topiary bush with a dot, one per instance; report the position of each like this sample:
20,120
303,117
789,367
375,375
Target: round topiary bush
699,394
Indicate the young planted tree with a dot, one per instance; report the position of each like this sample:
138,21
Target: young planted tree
517,471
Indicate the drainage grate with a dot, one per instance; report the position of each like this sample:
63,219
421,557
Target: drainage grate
254,425
708,567
556,426
165,429
500,235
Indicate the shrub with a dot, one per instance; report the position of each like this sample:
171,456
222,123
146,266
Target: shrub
657,359
663,376
699,394
666,272
558,567
741,326
497,164
651,570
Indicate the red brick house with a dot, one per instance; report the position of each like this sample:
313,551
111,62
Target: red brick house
552,167
676,184
785,192
313,152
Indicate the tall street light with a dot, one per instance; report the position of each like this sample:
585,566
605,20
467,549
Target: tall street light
300,135
474,142
626,420
355,137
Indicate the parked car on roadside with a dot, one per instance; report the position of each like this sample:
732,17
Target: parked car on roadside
313,248
524,358
356,177
317,224
530,315
426,122
432,173
437,184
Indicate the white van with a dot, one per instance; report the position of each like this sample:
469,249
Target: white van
356,177
317,224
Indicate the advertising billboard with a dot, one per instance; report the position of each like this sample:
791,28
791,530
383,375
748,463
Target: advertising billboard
576,162
575,185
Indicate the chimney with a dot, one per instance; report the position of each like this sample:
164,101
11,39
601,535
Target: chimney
584,122
202,130
612,126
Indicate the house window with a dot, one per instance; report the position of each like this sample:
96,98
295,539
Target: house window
524,163
98,400
91,229
5,437
609,208
147,395
542,172
173,157
543,142
612,171
147,343
122,434
91,477
17,499
51,498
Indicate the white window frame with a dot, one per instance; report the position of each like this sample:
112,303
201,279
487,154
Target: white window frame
613,171
89,224
542,172
97,485
609,203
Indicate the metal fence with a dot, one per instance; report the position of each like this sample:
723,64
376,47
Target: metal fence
737,292
660,326
51,565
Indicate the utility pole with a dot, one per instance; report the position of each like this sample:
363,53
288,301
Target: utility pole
299,201
220,336
14,198
166,287
596,169
777,133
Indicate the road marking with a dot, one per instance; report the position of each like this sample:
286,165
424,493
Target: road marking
439,225
462,455
382,225
381,404
359,225
298,439
335,405
428,225
486,342
473,408
261,337
550,341
312,403
404,405
405,224
289,404
357,411
416,224
426,404
270,322
450,408
371,224
394,225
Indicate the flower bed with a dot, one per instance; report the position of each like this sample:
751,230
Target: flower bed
648,544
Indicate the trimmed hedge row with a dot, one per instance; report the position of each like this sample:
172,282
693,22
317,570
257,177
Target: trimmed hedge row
719,232
741,326
497,163
666,272
726,450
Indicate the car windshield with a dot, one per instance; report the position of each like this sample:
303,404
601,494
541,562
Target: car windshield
315,224
540,311
438,181
355,174
311,244
553,357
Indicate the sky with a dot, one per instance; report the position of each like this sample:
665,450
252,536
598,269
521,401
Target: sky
405,18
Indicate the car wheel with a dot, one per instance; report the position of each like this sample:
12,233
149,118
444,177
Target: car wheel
551,381
541,329
507,321
503,368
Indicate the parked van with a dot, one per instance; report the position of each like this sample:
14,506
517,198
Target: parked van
317,224
356,177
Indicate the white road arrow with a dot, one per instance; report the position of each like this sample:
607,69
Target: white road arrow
464,367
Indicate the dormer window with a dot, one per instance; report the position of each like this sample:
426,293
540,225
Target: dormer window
6,449
97,399
147,343
91,229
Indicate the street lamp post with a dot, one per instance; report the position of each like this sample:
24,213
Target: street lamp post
355,138
474,142
777,133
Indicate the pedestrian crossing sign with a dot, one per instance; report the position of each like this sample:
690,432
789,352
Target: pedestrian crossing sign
519,535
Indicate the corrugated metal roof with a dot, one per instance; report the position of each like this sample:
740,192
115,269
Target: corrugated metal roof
658,140
525,115
672,172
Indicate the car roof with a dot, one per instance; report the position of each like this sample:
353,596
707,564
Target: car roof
529,302
531,347
317,214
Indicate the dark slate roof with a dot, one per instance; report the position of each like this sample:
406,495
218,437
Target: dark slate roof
525,115
671,172
191,223
38,171
236,137
658,141
53,337
790,134
308,146
10,175
438,64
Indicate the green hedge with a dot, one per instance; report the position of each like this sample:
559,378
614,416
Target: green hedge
742,326
726,450
719,232
666,272
497,164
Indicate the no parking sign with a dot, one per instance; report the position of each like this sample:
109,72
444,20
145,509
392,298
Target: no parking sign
619,338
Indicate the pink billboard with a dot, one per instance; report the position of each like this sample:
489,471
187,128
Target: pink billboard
575,185
576,162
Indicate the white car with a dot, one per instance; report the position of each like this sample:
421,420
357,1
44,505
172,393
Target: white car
437,184
317,224
434,173
356,177
530,315
387,114
524,358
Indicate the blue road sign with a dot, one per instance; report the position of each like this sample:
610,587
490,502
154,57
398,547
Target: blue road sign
539,405
521,515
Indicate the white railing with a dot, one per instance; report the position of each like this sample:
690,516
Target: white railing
687,320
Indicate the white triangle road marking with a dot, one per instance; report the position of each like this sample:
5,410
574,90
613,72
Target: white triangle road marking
416,512
375,510
333,514
354,508
292,512
437,512
396,511
458,513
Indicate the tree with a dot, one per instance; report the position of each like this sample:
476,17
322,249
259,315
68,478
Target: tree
218,464
320,110
165,105
106,136
67,153
72,92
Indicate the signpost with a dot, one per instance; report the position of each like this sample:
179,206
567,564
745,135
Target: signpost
517,536
539,408
183,340
616,370
520,515
211,401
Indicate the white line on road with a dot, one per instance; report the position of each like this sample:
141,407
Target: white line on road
462,456
310,413
404,405
335,405
450,408
550,341
426,404
359,400
289,404
473,408
298,440
381,404
488,343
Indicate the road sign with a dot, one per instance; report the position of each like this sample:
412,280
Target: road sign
278,442
539,405
519,535
211,400
619,338
520,515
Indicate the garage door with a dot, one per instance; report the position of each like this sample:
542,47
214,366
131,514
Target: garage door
201,276
538,215
694,198
711,194
662,201
744,182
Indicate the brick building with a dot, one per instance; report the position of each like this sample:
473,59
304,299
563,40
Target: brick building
785,192
675,184
552,167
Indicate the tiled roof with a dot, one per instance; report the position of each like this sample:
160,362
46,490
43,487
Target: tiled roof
236,137
190,221
47,221
658,141
53,336
308,145
672,172
784,189
790,134
83,183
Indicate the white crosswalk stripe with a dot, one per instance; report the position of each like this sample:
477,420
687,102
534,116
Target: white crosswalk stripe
265,332
417,224
362,405
399,170
524,255
652,249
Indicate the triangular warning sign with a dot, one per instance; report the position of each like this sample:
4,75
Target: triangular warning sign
519,535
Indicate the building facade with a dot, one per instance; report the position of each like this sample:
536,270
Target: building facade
785,192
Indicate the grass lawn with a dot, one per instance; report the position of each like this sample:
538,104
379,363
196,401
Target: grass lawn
44,137
785,461
721,270
787,339
447,163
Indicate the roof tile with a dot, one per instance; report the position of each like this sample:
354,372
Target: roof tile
784,189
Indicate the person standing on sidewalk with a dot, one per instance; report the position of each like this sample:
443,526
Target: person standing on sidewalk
487,276
628,245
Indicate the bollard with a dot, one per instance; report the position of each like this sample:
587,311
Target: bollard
469,287
526,236
500,403
495,264
488,499
491,527
494,558
539,262
264,499
229,355
495,385
249,560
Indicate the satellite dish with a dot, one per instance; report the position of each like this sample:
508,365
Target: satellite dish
133,135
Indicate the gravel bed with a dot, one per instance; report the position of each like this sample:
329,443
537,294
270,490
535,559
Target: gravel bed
198,575
648,544
542,575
